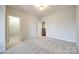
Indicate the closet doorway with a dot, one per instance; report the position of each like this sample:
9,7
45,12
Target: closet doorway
13,31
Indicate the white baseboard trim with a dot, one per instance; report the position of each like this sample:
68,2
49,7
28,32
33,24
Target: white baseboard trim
63,39
53,37
32,38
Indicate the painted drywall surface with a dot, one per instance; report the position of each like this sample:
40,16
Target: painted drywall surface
61,25
77,21
2,28
27,22
39,28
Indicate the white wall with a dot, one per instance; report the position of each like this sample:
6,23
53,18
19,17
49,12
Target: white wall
39,27
27,22
77,21
61,25
2,28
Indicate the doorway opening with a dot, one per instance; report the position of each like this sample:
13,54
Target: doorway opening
43,29
13,33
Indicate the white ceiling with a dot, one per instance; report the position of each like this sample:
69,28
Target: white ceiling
33,10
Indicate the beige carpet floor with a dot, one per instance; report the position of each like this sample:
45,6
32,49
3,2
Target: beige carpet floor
43,46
